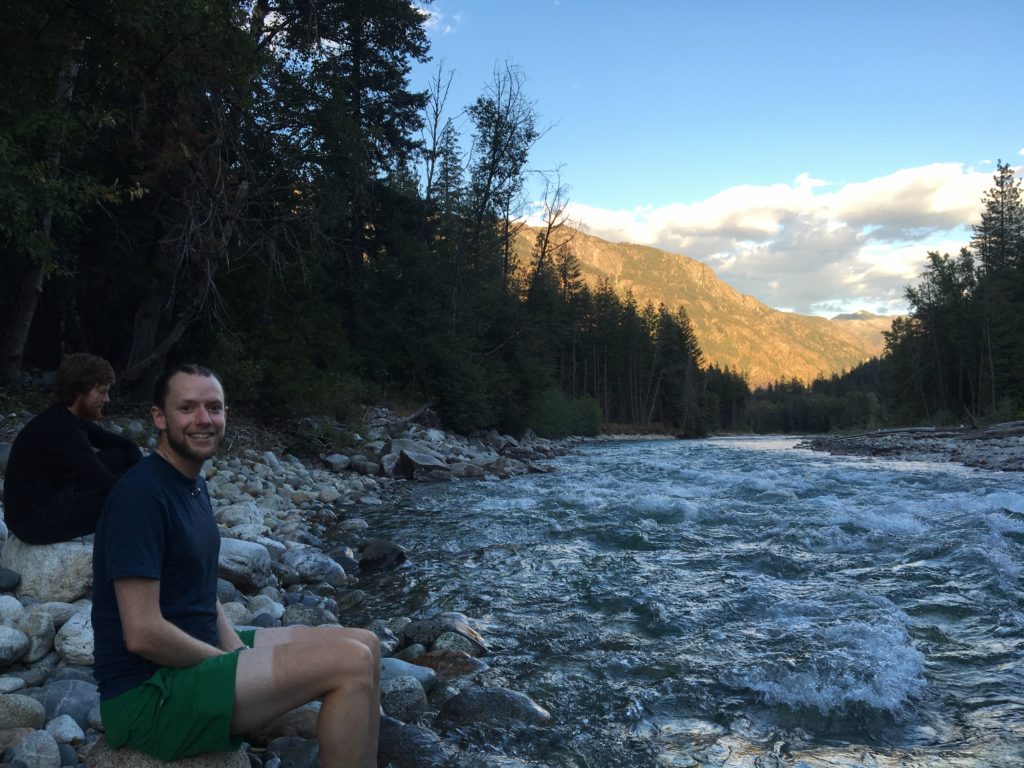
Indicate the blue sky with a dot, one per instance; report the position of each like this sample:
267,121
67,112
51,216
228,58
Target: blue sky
810,152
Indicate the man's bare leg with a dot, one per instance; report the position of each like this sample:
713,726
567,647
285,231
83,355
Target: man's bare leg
291,666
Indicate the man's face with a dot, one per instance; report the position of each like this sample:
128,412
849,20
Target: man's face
192,420
88,406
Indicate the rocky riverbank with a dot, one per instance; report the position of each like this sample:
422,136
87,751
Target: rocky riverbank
294,547
997,447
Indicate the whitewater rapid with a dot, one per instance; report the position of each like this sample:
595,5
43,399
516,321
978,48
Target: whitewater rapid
734,602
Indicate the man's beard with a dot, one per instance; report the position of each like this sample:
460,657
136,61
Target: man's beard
186,451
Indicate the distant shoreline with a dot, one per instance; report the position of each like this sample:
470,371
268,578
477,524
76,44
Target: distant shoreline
999,447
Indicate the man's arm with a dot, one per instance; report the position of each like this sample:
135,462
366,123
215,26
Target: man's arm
229,639
149,634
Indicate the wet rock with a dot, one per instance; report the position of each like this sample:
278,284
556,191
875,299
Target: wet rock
477,704
450,664
409,746
391,668
429,630
453,641
18,711
381,553
51,572
403,698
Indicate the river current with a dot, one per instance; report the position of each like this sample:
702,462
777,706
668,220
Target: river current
732,602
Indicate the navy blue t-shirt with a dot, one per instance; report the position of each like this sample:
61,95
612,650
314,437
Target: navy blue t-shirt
156,524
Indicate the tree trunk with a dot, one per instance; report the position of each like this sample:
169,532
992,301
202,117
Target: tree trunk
32,287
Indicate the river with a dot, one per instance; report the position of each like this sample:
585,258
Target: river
733,602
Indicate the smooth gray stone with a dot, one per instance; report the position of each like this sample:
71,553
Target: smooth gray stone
36,750
479,704
403,698
295,752
20,711
68,697
9,580
391,667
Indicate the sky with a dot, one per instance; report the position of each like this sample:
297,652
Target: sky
810,152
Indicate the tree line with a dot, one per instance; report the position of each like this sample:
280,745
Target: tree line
255,184
957,357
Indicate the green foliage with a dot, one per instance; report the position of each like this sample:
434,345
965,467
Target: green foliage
554,415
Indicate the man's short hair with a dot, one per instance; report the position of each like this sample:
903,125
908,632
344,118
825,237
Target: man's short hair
78,374
162,384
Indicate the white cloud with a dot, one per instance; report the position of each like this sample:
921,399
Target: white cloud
809,245
438,22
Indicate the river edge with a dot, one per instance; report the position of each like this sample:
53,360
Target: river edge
297,547
999,447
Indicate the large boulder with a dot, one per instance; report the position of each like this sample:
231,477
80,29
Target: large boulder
477,704
245,564
102,756
313,566
59,572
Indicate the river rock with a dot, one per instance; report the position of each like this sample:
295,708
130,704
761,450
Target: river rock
429,630
337,462
75,698
65,730
264,604
381,553
36,750
50,572
295,752
409,746
38,627
58,612
20,711
245,513
245,564
13,645
102,756
403,698
478,704
314,566
11,611
449,664
9,580
299,723
307,615
11,684
392,668
74,641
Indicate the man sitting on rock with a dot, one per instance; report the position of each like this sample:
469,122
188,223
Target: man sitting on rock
175,678
62,464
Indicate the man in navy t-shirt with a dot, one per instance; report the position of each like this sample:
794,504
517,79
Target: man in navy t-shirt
175,677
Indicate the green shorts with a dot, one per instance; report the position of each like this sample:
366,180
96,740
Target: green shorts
178,712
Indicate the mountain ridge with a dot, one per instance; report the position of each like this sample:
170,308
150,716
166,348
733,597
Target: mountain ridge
735,330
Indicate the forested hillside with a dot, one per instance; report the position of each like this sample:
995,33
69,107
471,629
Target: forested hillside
736,332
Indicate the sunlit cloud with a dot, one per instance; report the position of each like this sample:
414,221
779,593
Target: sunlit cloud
812,246
438,22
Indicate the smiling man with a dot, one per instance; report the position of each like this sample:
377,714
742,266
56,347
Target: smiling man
175,678
62,464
